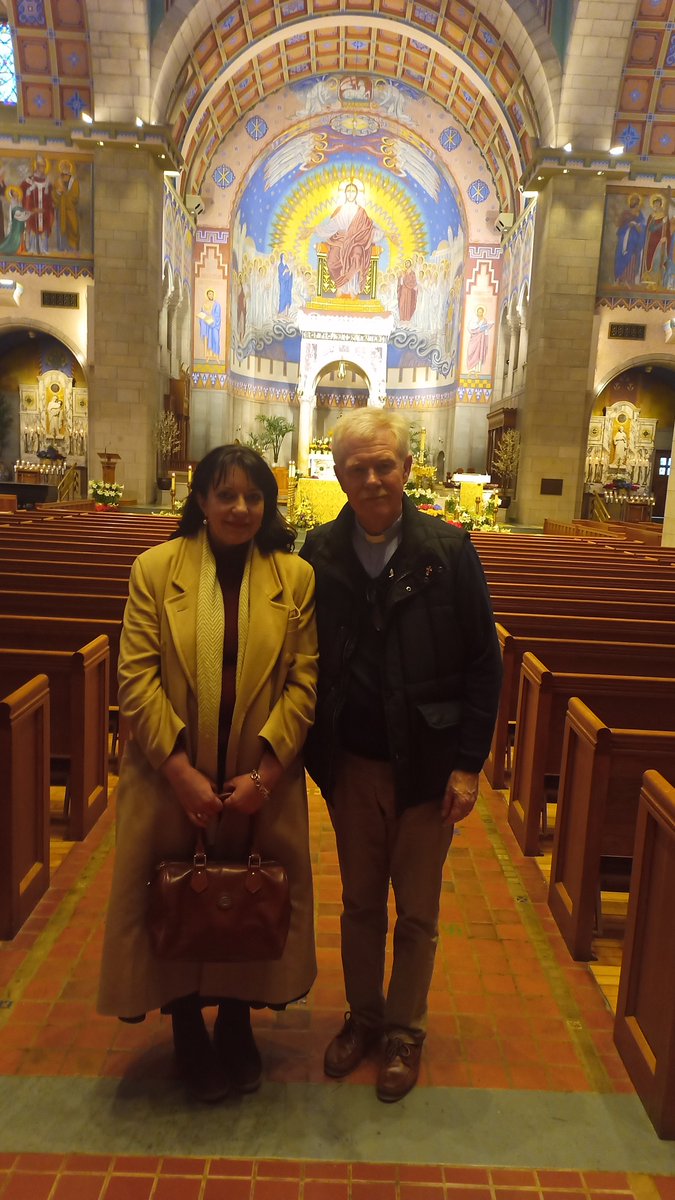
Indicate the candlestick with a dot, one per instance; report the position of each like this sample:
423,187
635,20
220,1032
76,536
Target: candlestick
189,475
173,483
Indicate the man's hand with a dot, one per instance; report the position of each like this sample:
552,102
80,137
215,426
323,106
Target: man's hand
461,793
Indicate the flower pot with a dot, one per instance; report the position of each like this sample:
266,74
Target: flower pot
164,483
505,501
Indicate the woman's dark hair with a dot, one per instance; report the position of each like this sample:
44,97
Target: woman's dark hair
275,533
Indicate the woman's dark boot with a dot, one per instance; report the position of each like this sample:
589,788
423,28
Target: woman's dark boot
235,1045
199,1067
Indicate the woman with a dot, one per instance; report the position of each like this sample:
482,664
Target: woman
217,677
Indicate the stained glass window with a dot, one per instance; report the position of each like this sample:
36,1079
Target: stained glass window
7,72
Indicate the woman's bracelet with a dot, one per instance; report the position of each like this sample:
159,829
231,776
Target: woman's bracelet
264,792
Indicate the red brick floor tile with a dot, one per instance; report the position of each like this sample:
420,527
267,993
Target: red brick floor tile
566,1194
7,1160
136,1164
179,1187
325,1189
281,1169
39,1162
665,1185
326,1170
78,1187
183,1166
28,1186
227,1189
129,1187
276,1189
373,1191
231,1167
456,1176
385,1172
414,1173
421,1191
87,1162
560,1179
460,1191
510,1177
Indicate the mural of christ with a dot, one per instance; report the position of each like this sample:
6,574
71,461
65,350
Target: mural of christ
351,235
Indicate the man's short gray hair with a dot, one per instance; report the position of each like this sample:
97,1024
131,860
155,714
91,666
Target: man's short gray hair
366,424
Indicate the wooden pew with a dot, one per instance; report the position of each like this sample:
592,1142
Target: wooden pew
79,690
54,568
600,778
629,609
61,633
589,629
620,700
589,657
644,1026
24,802
66,604
92,584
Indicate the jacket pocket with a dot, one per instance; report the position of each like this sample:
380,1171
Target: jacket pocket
441,714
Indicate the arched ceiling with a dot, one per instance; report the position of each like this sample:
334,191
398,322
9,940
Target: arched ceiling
645,117
52,58
444,49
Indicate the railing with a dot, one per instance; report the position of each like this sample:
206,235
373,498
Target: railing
69,485
600,510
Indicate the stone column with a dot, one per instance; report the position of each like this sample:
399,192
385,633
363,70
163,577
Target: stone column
553,412
305,419
125,383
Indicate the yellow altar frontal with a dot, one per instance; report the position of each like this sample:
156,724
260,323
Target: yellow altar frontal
323,497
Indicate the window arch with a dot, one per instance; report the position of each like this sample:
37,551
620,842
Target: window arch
7,68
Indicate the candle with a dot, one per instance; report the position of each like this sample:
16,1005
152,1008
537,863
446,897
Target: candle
189,475
173,483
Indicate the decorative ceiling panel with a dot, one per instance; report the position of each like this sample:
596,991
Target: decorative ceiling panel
647,95
52,57
451,52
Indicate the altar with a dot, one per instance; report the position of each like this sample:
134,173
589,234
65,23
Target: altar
320,500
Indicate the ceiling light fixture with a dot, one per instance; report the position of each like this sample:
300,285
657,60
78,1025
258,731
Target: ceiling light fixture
87,119
567,147
139,122
616,150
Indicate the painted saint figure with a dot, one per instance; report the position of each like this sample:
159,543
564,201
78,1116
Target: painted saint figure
67,197
38,200
479,341
350,234
407,292
209,317
630,240
657,236
285,284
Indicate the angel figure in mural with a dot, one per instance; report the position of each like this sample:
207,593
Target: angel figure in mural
18,215
321,96
209,317
351,235
391,100
479,342
630,240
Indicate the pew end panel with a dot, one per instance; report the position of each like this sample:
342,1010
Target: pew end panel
530,753
24,802
89,716
644,1026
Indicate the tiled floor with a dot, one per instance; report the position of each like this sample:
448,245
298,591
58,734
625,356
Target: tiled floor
522,1093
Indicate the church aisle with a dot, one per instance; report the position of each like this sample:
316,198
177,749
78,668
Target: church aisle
521,1095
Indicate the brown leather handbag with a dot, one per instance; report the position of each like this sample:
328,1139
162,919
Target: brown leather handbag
210,911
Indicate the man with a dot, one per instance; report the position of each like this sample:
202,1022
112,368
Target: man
409,681
350,235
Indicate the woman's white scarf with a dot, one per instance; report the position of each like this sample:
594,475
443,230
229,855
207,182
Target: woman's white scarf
210,642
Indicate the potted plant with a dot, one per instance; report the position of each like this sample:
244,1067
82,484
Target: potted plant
505,464
105,495
273,433
166,436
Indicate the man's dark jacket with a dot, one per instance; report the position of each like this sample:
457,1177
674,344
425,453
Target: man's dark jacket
441,669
